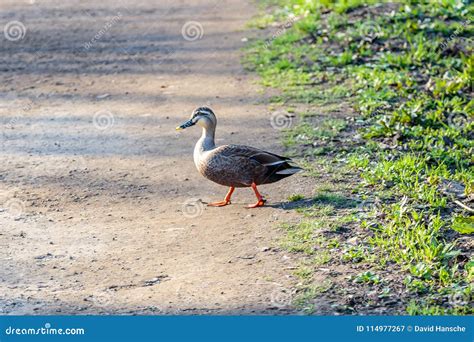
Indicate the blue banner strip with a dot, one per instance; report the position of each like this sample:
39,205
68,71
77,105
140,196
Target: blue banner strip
237,328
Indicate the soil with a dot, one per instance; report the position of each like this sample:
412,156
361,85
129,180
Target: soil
101,205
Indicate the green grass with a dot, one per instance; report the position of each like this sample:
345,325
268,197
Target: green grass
306,133
295,198
407,74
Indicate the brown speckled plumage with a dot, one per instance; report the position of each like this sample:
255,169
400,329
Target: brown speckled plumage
239,166
234,165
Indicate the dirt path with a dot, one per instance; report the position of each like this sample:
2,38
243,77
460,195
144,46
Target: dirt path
94,181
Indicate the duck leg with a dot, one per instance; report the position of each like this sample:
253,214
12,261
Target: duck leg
261,201
225,201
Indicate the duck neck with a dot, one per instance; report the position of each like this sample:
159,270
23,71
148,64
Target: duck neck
206,142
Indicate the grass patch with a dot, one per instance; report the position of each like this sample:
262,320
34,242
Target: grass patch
405,69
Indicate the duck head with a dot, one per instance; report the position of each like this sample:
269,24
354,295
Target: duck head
202,116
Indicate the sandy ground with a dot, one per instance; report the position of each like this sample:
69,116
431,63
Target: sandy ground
100,201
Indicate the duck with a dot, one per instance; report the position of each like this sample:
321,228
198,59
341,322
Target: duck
234,166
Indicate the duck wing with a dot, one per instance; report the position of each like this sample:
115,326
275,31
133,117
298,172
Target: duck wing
255,165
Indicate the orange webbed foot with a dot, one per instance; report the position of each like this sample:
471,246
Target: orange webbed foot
260,200
226,200
218,204
260,203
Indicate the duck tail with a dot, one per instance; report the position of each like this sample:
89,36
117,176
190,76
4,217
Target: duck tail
280,171
291,170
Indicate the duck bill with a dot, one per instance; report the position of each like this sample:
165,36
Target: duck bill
187,124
